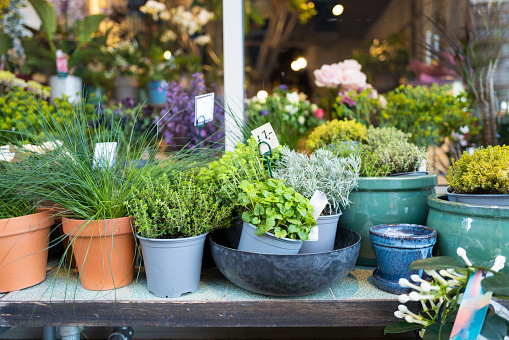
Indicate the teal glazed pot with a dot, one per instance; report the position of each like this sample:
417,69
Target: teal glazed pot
386,200
482,230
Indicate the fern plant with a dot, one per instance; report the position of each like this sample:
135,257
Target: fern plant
335,176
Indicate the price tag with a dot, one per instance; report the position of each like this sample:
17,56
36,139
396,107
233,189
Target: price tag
318,201
203,109
265,133
313,234
5,154
104,154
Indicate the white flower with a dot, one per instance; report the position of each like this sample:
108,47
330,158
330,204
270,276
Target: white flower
436,276
314,107
168,35
165,15
499,263
291,109
399,314
405,283
403,298
301,120
203,40
293,98
463,254
465,129
416,278
204,17
382,101
411,319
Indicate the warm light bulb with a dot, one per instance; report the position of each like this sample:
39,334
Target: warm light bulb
302,62
338,9
167,55
295,65
262,94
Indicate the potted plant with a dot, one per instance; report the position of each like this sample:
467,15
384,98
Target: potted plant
78,41
380,198
480,178
277,219
336,131
335,176
173,217
127,64
24,235
464,215
75,167
157,74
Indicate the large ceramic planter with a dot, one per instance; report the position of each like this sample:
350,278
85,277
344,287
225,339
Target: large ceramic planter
24,250
267,243
325,233
70,86
396,246
173,266
286,275
234,232
386,200
104,251
482,230
126,87
156,92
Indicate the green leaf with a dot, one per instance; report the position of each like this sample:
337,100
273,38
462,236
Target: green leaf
89,26
5,43
494,327
498,284
280,233
401,327
438,331
437,263
258,210
255,221
247,216
46,13
270,222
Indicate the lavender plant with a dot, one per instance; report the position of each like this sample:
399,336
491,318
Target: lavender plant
176,121
335,176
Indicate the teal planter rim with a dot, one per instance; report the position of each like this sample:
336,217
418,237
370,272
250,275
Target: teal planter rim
440,202
397,183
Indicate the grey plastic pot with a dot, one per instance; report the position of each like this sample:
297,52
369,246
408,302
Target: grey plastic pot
479,199
267,243
173,266
126,87
326,227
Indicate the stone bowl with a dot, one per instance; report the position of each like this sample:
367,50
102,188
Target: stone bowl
286,275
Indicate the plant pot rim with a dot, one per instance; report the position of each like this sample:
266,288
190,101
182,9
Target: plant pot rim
409,173
69,226
392,183
15,226
441,202
330,216
162,240
452,193
42,211
271,235
430,232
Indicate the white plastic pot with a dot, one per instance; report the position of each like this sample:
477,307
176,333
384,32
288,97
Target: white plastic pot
70,86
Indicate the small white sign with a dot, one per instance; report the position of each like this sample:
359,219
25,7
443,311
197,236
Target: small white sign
203,109
318,201
265,133
313,234
104,154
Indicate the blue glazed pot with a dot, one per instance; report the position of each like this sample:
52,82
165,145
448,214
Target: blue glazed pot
396,246
156,91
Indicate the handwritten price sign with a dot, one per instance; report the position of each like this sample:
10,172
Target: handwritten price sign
265,133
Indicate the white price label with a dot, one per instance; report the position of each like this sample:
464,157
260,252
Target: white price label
265,133
104,154
318,201
203,109
313,234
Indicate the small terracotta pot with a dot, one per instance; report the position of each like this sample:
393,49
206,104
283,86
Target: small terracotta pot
24,250
104,251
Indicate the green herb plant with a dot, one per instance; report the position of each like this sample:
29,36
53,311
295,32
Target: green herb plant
484,172
334,131
271,206
177,207
335,176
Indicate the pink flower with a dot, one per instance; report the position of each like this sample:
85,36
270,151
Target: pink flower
350,64
319,113
328,75
352,80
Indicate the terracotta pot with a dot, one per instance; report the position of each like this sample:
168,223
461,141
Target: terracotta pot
104,251
24,250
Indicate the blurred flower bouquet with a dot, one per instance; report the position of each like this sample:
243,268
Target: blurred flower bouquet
176,120
349,94
293,110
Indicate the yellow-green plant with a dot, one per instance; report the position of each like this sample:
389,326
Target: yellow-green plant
484,172
430,114
334,131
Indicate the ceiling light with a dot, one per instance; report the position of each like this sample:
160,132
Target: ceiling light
338,9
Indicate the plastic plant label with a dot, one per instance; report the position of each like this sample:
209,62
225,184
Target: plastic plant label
318,201
203,109
473,309
265,133
104,154
313,234
5,154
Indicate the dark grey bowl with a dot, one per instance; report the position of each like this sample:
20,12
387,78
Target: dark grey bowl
286,275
